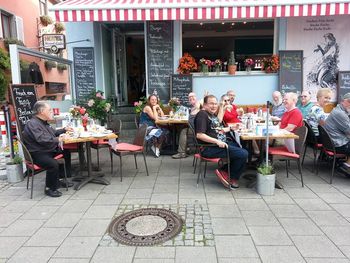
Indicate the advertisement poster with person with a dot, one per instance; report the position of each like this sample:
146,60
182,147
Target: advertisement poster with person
325,50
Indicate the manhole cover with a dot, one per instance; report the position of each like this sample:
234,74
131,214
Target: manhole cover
145,227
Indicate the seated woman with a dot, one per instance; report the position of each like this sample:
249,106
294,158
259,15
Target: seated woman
150,114
228,113
316,114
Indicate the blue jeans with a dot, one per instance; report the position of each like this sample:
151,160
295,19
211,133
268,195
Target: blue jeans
238,157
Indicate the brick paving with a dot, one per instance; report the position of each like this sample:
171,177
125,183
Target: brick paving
297,224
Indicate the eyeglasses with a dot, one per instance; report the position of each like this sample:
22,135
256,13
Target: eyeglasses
303,96
226,100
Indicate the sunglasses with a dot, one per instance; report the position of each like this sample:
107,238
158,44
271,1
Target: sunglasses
226,100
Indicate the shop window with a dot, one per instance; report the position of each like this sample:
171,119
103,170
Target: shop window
6,26
216,40
11,26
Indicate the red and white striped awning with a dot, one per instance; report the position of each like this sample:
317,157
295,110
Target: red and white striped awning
148,10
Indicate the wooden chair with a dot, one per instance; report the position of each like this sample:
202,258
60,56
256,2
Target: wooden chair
116,127
33,169
137,147
328,149
311,140
282,153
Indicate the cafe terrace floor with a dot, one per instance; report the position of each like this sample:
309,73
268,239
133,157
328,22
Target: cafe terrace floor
310,224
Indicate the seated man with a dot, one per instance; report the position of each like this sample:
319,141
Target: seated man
277,104
292,118
43,144
210,131
181,151
338,126
304,105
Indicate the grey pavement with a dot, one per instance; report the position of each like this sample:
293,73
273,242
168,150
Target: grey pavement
310,224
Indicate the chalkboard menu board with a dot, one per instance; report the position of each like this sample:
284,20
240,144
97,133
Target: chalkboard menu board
343,83
291,71
23,98
84,72
159,57
181,85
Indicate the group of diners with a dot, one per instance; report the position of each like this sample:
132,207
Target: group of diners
209,118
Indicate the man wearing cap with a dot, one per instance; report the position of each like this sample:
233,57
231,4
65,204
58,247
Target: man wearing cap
338,126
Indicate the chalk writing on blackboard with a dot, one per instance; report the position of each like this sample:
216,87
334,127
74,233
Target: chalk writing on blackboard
291,71
343,84
181,86
24,98
84,72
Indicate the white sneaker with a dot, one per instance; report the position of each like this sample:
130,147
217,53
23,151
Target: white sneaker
153,148
157,152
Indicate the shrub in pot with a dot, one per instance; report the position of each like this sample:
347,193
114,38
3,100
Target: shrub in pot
265,179
45,20
14,170
61,66
59,27
50,64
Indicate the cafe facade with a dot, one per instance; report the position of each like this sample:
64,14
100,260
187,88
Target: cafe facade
132,48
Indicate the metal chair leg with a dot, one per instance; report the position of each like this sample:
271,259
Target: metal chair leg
333,166
31,190
194,158
302,162
195,166
28,176
135,161
287,168
205,169
144,158
199,171
121,168
111,154
98,157
65,175
301,174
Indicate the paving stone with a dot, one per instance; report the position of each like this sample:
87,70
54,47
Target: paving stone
259,218
90,227
48,237
226,226
9,245
279,254
343,209
251,204
100,212
312,204
155,252
235,246
224,211
340,235
195,254
7,219
303,193
77,247
69,260
239,260
113,255
154,260
292,211
316,246
64,220
327,260
279,198
85,194
327,218
33,254
18,207
269,235
164,198
40,212
300,227
22,228
75,206
334,198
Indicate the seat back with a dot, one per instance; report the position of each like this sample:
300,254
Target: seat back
326,139
311,137
27,156
140,135
300,143
115,125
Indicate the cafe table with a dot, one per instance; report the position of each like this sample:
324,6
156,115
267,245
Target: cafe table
93,178
172,123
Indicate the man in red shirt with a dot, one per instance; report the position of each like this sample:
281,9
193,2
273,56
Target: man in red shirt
292,118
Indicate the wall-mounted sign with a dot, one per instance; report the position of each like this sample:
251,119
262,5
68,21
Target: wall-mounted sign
54,42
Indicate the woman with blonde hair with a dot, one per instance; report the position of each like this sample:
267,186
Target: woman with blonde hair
316,114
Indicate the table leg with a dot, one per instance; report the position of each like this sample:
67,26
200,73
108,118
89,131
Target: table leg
90,178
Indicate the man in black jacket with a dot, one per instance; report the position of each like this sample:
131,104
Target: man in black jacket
42,142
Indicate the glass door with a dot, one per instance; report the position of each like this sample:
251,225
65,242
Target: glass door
120,68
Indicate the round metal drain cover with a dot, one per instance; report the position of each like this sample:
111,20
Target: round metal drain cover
145,227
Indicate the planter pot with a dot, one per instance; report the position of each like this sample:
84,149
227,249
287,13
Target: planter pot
205,69
14,173
232,69
265,184
249,70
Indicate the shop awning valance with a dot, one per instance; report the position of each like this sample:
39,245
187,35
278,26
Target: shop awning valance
187,10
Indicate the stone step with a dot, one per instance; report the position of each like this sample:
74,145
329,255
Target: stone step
126,109
128,125
124,116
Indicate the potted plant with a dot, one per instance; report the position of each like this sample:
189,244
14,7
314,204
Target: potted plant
59,27
45,20
232,67
271,64
61,67
49,64
187,64
14,170
265,180
218,66
205,64
98,107
249,64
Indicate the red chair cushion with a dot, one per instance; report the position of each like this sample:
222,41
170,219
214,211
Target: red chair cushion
99,142
212,160
128,147
283,151
338,155
319,145
37,167
58,156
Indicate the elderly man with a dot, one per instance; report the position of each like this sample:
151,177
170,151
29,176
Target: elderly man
304,104
278,107
292,118
338,126
210,131
43,144
181,151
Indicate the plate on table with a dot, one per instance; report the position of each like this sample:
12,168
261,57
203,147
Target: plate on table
163,118
107,132
84,135
98,135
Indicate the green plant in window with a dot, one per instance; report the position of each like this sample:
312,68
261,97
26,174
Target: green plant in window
9,41
4,73
61,66
50,64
